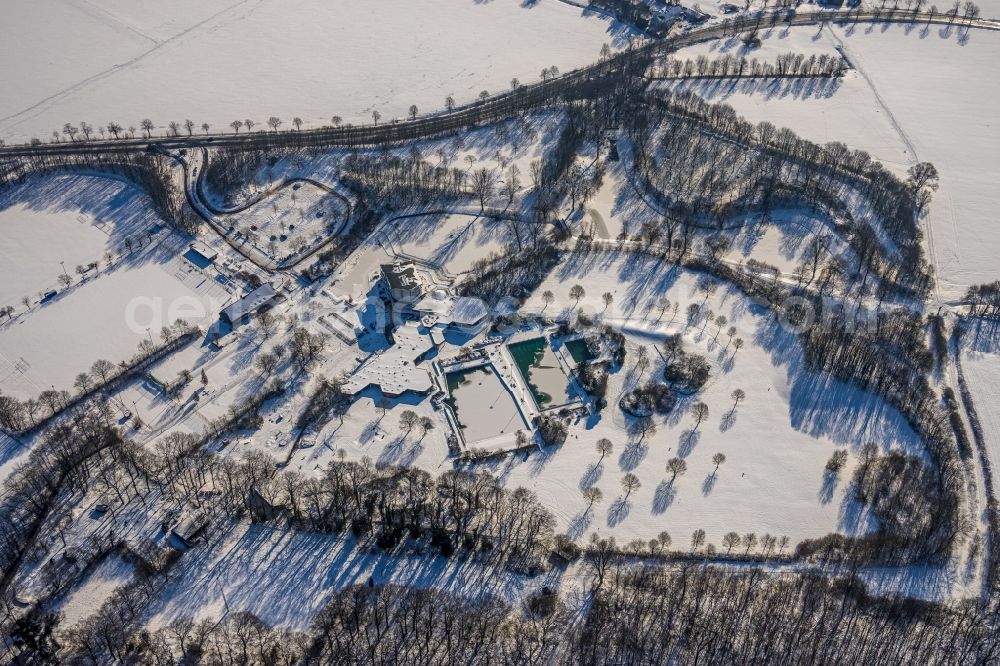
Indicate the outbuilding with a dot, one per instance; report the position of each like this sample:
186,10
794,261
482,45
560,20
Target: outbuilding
248,305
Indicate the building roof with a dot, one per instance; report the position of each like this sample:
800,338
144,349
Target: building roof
461,310
249,304
204,250
189,527
401,275
467,310
395,370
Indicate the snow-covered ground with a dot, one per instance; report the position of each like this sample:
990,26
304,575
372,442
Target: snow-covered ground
64,221
104,317
916,95
86,598
981,364
322,57
285,578
32,239
452,242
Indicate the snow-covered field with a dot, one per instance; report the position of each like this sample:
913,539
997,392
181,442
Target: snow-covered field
285,578
86,598
322,57
104,317
981,364
32,239
63,221
452,242
915,95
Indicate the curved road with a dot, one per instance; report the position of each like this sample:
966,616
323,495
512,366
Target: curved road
194,193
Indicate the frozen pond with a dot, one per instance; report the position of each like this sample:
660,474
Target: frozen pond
541,372
483,405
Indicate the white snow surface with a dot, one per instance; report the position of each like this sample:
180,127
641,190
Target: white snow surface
916,95
215,61
86,598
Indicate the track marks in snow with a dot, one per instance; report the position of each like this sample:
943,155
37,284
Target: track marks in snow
13,119
928,230
107,17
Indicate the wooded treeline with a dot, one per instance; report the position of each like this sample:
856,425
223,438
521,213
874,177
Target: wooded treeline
685,614
150,172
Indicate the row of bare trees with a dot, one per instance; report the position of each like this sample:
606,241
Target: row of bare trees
785,64
21,416
687,614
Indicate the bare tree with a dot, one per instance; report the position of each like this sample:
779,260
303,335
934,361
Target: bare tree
82,382
103,369
236,125
298,123
629,483
408,420
717,460
547,298
738,395
592,495
699,412
663,304
274,122
336,120
576,292
676,467
604,447
413,111
376,116
697,539
483,181
266,364
189,126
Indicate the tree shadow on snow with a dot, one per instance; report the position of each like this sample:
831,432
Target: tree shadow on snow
664,496
591,476
618,511
688,440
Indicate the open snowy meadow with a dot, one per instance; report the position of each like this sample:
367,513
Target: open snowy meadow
915,93
208,61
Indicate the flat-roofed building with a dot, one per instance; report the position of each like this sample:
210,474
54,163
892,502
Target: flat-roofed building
403,282
248,305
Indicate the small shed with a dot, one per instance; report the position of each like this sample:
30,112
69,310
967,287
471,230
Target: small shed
249,304
191,525
207,253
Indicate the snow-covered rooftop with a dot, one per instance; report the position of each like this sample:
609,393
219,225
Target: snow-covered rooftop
395,370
